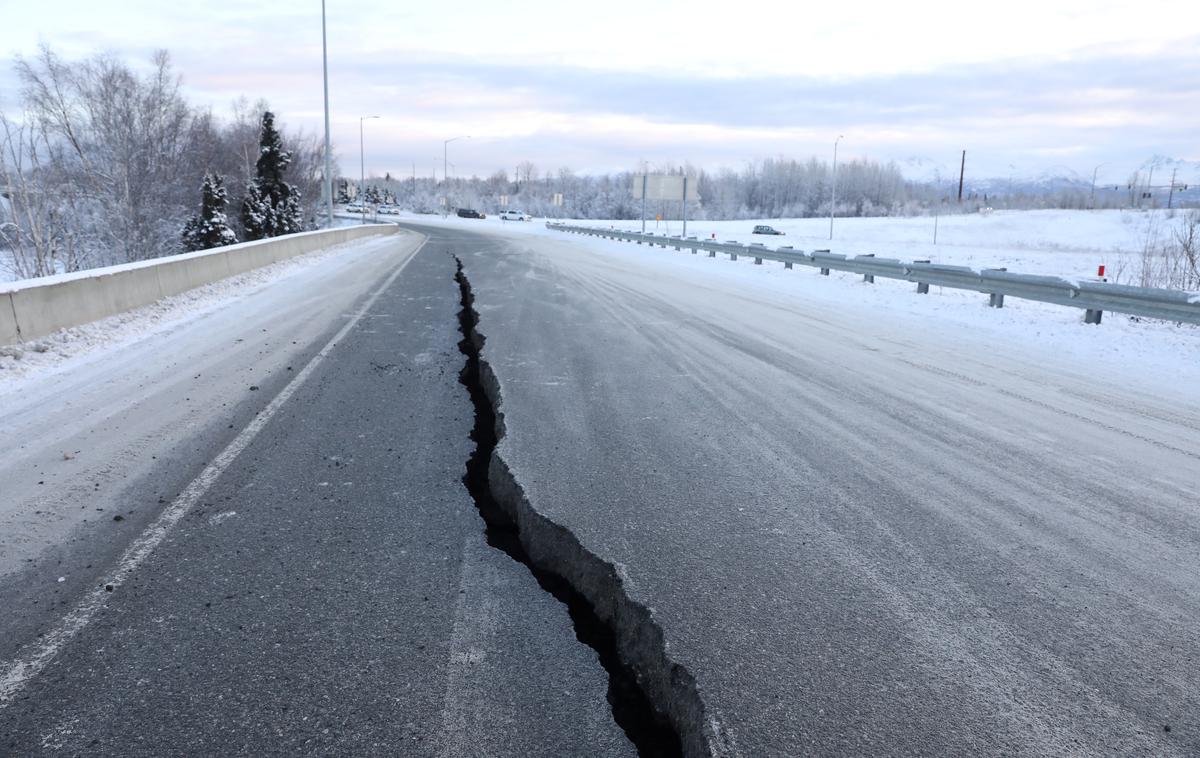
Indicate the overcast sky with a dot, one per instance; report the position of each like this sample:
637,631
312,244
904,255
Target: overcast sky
1025,86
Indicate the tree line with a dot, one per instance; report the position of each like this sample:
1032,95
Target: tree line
106,165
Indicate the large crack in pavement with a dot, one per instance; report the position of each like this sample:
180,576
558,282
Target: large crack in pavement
654,700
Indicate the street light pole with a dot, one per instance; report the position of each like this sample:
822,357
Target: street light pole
445,151
362,169
833,199
325,70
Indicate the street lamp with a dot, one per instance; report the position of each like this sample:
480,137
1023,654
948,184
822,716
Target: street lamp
833,199
1097,168
445,162
362,167
325,70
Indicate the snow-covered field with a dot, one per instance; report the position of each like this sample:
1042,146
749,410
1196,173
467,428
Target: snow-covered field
1070,244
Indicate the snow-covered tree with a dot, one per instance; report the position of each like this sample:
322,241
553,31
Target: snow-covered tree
211,228
271,206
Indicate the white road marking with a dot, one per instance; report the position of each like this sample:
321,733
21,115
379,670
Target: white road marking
33,658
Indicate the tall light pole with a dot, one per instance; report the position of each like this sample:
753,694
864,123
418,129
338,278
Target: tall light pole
833,199
325,70
362,168
1097,168
445,152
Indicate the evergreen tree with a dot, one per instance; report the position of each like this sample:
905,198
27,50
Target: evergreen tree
211,228
271,206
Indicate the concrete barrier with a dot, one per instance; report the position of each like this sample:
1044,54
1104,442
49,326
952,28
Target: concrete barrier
36,307
8,321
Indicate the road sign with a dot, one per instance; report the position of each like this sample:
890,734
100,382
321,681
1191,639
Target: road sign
663,187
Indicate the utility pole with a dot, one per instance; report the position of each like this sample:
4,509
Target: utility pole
1171,191
962,169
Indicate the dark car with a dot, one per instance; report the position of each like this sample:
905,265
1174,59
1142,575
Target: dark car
468,213
764,229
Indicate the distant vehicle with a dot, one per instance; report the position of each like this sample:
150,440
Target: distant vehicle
468,213
515,216
764,229
354,209
389,211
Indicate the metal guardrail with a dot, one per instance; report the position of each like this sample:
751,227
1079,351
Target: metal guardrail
1094,298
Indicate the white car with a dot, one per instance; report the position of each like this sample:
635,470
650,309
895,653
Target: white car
515,216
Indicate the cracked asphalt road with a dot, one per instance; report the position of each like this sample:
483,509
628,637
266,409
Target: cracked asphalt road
859,537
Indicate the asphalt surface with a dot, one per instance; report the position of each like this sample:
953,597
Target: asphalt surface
859,539
850,537
332,593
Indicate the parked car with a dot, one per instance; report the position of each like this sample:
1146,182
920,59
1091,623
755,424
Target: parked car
511,215
354,209
468,213
389,210
764,229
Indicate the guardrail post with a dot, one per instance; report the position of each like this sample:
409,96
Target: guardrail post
1093,316
712,253
824,269
869,278
757,261
733,256
996,299
922,287
693,241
